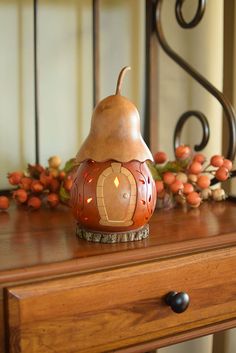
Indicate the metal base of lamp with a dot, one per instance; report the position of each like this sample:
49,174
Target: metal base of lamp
112,237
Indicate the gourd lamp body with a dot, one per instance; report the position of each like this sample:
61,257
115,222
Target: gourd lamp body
113,194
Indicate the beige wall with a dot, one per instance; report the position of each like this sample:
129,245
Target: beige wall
203,48
65,79
65,73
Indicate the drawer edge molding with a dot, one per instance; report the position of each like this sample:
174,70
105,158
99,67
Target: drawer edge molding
120,259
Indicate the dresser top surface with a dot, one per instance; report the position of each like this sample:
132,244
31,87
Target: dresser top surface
35,242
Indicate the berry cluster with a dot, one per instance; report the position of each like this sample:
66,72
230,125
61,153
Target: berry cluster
187,180
40,184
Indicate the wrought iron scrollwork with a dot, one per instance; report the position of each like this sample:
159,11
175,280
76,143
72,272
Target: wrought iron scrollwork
205,128
197,17
227,107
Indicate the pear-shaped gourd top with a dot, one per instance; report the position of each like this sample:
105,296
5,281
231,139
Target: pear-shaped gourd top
115,131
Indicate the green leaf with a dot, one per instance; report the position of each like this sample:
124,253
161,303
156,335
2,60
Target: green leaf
70,164
170,166
64,195
153,170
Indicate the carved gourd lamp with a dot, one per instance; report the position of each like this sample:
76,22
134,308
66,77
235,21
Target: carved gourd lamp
113,194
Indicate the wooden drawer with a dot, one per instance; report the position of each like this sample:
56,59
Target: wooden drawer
107,310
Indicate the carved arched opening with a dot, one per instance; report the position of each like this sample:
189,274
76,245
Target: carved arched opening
116,195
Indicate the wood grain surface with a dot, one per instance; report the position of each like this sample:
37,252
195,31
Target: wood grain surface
43,242
104,311
36,246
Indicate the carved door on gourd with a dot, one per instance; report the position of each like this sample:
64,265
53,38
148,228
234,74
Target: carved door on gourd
116,196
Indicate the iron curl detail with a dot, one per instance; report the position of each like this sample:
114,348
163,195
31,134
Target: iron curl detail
205,128
222,99
196,19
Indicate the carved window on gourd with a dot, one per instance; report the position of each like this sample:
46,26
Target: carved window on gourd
116,194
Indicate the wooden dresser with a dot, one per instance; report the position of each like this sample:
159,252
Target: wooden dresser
64,295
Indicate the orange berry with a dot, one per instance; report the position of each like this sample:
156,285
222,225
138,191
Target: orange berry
199,157
217,161
68,182
160,157
188,188
53,200
54,185
61,175
159,186
15,178
193,199
20,195
25,183
36,186
34,203
176,186
222,174
168,178
195,168
4,203
183,152
203,182
227,164
45,178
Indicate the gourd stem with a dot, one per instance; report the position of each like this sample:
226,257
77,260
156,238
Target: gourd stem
120,78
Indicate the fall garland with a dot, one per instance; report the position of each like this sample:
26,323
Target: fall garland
186,181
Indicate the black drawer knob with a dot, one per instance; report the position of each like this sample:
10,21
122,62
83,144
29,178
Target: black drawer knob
178,301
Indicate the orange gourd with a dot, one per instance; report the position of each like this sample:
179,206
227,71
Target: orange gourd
113,194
